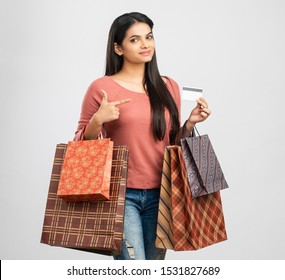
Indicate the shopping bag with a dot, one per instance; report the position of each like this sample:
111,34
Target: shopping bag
185,223
94,226
204,172
86,170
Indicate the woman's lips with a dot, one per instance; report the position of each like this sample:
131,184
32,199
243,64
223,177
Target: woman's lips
146,53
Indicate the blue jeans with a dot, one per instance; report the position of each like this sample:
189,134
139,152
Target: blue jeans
140,223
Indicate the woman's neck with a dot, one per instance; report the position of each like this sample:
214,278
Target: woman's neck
132,73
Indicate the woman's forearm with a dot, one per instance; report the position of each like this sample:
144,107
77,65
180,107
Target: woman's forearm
185,131
93,128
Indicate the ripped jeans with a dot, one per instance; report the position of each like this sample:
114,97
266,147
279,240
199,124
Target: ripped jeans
140,222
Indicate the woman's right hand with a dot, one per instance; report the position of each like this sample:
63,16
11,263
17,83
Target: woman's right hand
108,111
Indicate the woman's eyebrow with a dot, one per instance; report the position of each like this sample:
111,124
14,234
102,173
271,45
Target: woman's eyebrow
138,36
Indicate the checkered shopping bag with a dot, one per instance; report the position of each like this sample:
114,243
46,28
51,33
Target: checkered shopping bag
95,226
185,223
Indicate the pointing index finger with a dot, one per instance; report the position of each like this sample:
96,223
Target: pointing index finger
122,101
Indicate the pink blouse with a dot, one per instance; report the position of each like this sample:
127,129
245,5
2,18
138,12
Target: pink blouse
133,128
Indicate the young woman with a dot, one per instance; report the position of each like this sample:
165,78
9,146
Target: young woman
135,106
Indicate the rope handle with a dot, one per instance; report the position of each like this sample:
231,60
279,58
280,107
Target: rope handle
194,132
81,138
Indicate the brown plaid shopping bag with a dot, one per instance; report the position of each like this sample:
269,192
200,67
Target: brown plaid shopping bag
186,224
95,226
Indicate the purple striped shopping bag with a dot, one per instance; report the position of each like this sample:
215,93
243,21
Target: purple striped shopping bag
204,172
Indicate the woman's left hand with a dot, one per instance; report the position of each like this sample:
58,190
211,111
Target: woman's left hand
200,113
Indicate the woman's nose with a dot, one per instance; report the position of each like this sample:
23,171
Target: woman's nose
144,44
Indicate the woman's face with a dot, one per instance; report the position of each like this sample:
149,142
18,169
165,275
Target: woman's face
138,45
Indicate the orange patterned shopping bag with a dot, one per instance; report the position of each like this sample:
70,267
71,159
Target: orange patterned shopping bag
86,171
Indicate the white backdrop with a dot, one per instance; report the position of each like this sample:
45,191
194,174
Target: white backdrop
50,51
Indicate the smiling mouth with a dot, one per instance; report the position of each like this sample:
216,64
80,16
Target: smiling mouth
145,53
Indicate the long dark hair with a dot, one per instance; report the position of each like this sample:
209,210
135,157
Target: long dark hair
159,96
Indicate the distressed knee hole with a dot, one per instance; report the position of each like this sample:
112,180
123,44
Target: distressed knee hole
130,249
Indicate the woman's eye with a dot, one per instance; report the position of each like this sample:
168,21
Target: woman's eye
134,40
150,37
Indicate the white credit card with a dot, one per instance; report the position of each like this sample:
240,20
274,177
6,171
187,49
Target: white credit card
190,93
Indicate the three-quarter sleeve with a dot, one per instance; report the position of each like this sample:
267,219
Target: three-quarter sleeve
90,105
